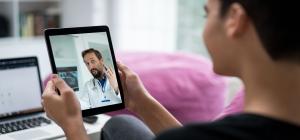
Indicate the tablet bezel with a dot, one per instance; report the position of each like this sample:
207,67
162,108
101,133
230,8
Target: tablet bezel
82,30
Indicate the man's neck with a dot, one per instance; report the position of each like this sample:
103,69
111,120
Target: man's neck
101,77
273,90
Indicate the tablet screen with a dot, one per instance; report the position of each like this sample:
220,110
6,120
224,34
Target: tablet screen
85,61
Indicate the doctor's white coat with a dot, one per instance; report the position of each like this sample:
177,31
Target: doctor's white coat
92,95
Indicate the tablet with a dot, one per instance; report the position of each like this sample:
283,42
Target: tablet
84,58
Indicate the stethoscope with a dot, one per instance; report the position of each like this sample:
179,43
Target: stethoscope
95,87
102,88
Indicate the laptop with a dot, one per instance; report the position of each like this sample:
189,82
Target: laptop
21,113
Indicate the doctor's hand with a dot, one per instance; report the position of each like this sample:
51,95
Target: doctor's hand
64,109
112,79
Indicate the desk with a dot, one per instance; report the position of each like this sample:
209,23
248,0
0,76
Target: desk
93,130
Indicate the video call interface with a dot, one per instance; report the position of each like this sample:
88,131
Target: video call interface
84,62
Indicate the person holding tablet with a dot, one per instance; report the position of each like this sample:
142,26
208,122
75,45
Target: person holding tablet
255,40
102,89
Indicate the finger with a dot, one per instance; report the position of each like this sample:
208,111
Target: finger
60,83
123,79
42,103
50,89
62,86
123,68
48,78
124,88
122,75
107,71
53,76
45,108
110,69
110,72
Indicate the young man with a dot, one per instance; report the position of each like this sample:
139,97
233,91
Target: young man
252,39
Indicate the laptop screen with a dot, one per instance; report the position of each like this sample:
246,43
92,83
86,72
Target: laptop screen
20,86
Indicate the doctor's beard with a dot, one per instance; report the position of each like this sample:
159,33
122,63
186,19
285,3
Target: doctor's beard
96,73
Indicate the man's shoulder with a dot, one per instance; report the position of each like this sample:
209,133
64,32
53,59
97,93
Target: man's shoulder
238,127
211,131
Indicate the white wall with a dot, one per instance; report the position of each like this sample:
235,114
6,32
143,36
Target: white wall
144,25
23,48
136,25
84,12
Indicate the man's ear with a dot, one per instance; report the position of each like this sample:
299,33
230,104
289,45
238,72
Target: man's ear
236,20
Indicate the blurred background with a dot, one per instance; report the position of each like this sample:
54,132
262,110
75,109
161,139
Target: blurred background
136,25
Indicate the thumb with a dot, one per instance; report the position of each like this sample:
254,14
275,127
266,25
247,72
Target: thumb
61,85
123,81
123,68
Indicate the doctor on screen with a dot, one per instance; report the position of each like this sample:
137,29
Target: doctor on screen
102,89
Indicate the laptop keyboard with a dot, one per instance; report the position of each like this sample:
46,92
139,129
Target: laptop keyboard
23,124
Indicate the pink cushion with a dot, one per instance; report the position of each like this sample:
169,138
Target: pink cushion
185,84
236,105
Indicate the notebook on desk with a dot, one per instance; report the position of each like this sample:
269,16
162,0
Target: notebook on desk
21,113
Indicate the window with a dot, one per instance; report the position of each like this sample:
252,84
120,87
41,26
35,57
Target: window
154,25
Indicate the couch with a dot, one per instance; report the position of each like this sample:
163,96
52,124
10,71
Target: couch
183,83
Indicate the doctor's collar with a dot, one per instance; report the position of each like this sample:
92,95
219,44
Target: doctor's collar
101,78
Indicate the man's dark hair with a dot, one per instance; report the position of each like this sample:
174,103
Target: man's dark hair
91,50
276,24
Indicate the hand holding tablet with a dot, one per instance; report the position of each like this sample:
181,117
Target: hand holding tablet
84,58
